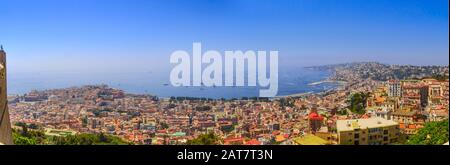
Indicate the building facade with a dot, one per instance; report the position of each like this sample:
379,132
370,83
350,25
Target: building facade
394,88
414,94
371,131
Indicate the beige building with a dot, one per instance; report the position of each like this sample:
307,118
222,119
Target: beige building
5,125
394,88
372,131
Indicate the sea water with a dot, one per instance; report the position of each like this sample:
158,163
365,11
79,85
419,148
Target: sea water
291,81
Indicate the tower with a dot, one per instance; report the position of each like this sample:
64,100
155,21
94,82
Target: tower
5,125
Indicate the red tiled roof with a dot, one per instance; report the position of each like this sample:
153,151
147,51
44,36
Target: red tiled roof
253,142
275,132
315,116
402,126
232,140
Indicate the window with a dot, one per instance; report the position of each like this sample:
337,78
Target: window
373,130
385,139
385,132
356,143
356,135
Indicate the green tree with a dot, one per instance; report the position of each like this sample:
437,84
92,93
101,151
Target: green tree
84,121
357,102
205,139
342,112
440,77
89,139
434,133
164,125
23,140
28,137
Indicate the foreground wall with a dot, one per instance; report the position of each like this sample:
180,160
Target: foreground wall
5,124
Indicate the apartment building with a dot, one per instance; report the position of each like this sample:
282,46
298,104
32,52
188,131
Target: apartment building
371,131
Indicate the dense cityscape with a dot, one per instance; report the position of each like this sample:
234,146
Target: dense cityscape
375,104
224,81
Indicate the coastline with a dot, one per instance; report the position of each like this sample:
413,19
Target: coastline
305,87
296,95
327,81
303,94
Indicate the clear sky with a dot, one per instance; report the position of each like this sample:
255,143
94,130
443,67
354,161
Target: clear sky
128,35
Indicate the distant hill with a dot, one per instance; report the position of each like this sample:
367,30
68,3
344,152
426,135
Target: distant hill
383,72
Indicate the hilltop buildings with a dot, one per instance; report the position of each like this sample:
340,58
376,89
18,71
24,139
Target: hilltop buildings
392,107
411,103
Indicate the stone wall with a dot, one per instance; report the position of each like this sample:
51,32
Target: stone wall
5,124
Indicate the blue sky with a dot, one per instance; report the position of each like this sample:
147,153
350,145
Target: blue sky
129,35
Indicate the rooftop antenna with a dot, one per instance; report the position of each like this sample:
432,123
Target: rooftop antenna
1,47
